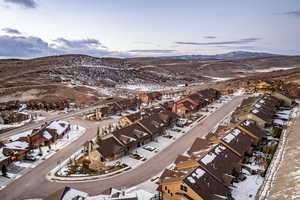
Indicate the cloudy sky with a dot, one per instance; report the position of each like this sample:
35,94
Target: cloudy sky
33,28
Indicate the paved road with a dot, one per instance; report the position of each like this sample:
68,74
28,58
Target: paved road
34,184
38,124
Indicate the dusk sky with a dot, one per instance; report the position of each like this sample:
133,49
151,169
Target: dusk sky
33,28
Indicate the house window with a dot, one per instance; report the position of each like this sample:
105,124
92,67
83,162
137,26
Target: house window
183,188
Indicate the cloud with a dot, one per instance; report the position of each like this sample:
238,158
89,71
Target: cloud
152,51
238,47
24,3
20,46
79,44
30,46
11,31
210,37
241,41
295,13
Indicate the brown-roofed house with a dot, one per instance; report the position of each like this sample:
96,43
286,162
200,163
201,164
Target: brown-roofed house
110,148
150,97
194,183
249,127
237,141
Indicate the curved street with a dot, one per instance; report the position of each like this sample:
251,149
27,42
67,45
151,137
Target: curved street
35,185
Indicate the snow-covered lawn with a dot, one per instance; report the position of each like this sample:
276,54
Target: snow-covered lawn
277,158
147,87
15,125
247,189
273,69
19,168
154,147
218,79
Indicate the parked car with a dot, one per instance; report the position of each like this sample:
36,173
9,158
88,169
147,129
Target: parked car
30,158
181,122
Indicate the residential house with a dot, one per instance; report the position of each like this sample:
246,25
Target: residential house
222,163
16,150
211,157
191,184
189,104
47,134
153,125
9,117
255,132
261,117
210,94
283,96
109,109
68,193
110,148
237,141
132,136
135,134
150,97
10,105
264,87
130,119
129,104
4,160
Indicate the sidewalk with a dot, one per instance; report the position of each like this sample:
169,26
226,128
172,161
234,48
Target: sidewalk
19,168
146,152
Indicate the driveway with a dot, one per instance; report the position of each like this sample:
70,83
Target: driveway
35,185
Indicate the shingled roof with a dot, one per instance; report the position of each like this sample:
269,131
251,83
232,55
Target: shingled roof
205,185
108,147
209,93
134,117
238,140
131,133
199,146
219,161
251,126
260,113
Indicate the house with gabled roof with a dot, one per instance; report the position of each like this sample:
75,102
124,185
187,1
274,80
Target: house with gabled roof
110,109
152,125
222,163
132,136
47,134
16,150
283,96
255,132
193,183
189,104
237,141
210,94
150,97
68,193
130,119
129,104
261,117
110,148
216,159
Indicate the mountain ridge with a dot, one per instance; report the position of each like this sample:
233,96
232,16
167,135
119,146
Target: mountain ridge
225,56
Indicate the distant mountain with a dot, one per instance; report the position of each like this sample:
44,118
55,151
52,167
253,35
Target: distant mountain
225,56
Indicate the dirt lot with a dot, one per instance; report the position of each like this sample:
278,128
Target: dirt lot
286,185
